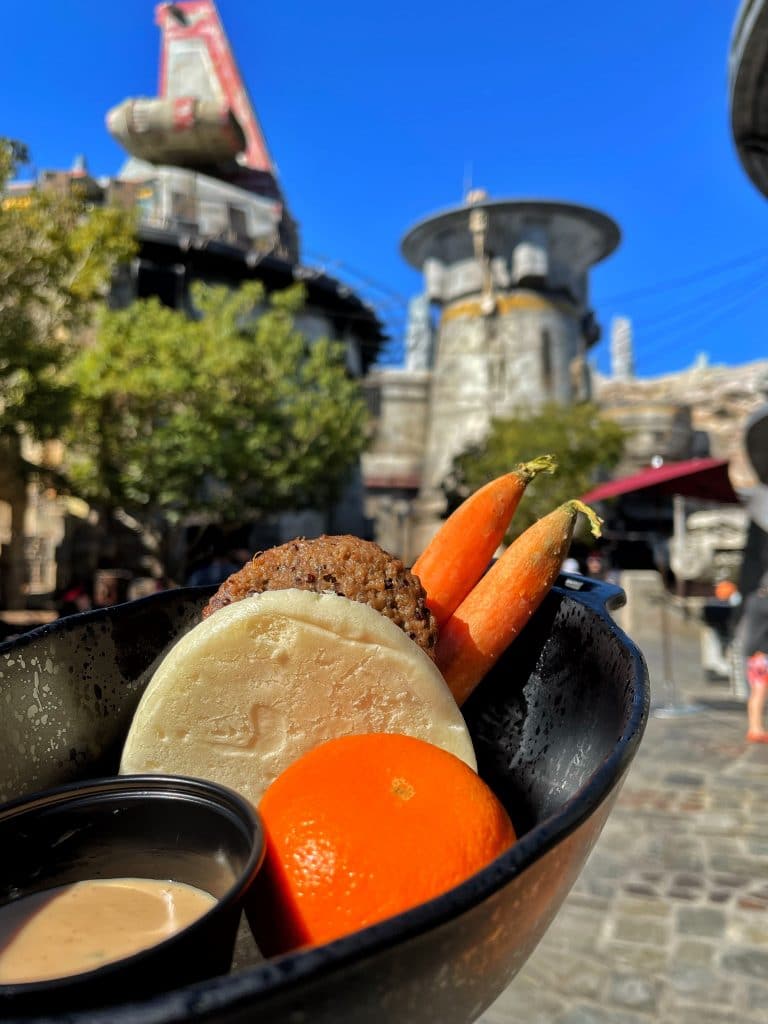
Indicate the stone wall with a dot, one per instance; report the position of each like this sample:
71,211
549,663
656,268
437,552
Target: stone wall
720,399
392,465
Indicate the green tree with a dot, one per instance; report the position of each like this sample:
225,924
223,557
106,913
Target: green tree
581,440
57,258
226,414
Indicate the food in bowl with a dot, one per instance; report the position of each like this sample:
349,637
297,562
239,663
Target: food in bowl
84,865
209,666
363,827
555,726
84,925
264,680
343,565
294,651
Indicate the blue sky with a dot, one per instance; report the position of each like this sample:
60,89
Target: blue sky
374,114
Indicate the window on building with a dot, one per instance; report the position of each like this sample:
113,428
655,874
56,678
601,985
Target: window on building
546,362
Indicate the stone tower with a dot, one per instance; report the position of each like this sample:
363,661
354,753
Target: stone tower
509,280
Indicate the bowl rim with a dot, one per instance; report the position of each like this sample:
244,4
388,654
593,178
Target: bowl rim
272,976
101,614
134,787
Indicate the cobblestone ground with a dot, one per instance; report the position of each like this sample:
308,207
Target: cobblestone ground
669,920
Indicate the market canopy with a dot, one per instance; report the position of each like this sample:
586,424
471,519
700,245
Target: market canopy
694,478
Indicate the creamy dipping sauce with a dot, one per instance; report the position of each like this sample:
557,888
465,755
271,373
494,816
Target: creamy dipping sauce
81,926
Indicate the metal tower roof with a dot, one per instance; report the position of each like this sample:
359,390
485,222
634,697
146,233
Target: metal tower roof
578,235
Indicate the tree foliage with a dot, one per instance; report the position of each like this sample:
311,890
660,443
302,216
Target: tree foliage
57,258
223,414
582,441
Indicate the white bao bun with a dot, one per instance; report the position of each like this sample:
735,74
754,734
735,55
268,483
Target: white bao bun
262,681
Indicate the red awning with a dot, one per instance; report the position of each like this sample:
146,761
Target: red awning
695,478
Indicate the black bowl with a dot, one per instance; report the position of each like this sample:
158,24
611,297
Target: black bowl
136,826
555,726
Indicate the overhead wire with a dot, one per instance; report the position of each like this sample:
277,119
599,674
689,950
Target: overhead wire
390,306
647,290
711,297
697,312
726,310
701,310
689,315
361,276
680,282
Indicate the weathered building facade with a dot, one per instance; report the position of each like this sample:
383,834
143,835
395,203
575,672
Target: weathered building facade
700,411
504,324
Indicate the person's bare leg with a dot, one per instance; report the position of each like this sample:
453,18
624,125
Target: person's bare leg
755,709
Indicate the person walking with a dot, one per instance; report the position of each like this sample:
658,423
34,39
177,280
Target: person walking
756,653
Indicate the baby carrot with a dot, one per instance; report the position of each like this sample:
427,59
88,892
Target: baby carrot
459,553
494,612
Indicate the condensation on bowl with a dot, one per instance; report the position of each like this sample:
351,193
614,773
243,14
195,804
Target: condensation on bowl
61,698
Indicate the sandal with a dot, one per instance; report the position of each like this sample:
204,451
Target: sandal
757,737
